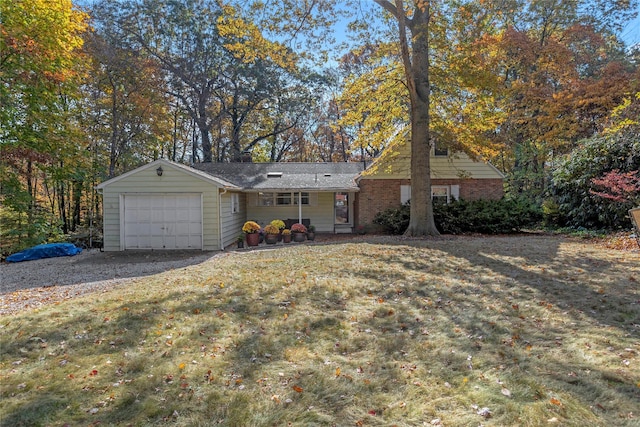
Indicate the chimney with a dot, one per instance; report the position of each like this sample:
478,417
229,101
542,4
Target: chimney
246,157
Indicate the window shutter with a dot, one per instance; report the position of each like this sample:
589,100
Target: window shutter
455,192
405,193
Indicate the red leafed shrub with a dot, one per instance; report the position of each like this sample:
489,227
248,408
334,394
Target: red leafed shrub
623,187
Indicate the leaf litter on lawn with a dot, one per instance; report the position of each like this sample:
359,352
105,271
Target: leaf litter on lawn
525,330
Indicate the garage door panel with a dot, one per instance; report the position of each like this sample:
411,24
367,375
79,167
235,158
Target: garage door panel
183,229
170,215
162,221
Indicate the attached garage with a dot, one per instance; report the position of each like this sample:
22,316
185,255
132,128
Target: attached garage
162,221
164,206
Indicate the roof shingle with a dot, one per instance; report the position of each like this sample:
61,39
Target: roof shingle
286,176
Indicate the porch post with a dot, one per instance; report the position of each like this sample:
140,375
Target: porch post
300,207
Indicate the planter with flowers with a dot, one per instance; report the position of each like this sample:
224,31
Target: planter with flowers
252,231
286,235
299,232
311,232
281,226
271,234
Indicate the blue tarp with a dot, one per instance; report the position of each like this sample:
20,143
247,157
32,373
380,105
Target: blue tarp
48,250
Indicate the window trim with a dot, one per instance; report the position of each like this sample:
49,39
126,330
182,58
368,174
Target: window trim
453,192
271,199
447,188
235,203
440,152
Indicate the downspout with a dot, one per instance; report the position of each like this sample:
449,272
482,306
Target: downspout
224,191
101,192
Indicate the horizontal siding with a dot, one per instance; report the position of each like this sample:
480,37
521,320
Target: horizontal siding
320,213
460,165
324,216
171,181
231,223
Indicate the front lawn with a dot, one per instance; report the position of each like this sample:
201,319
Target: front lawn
463,331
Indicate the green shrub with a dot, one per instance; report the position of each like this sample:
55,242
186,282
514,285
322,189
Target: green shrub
572,181
393,220
477,216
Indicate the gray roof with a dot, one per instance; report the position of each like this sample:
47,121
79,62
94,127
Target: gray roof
286,176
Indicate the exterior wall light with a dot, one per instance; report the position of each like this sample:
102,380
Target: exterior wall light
159,171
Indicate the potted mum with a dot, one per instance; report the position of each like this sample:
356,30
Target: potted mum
271,234
251,229
281,226
299,232
286,235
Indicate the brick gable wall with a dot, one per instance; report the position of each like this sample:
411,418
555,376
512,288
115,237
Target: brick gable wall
377,195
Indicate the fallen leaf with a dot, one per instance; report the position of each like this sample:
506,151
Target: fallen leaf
555,401
506,392
297,389
337,372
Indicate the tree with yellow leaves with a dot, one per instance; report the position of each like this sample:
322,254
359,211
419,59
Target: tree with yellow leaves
42,160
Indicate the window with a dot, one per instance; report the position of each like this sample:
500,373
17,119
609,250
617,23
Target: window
266,199
440,151
235,203
282,199
439,193
304,199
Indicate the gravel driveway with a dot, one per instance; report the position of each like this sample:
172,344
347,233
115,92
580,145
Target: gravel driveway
31,284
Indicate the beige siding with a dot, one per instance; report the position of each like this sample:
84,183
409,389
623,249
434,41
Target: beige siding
173,180
396,164
231,223
320,212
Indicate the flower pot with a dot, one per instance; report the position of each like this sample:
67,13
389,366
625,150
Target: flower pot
311,235
240,244
286,238
271,239
253,239
299,237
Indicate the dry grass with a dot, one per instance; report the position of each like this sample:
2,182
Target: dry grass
500,331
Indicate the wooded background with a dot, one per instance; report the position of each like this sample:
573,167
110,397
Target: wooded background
544,89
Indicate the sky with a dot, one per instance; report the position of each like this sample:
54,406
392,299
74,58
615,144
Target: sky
631,33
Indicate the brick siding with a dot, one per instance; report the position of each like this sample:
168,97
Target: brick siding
377,195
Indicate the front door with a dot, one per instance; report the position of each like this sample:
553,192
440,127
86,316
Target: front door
342,209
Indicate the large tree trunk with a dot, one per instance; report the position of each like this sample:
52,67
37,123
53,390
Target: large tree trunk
416,67
421,222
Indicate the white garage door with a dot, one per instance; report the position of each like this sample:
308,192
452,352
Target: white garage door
162,221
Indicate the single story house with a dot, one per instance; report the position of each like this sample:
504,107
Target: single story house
167,205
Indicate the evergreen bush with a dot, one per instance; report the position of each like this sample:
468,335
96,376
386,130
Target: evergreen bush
462,216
